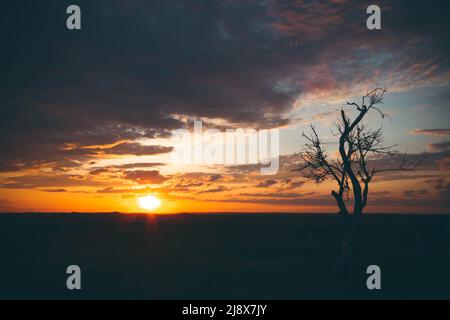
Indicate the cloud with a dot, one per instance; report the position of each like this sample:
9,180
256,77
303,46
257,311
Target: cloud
112,190
380,193
192,184
120,167
267,183
247,63
215,177
97,171
59,190
214,190
145,177
5,204
415,193
444,164
288,184
124,190
431,132
298,201
121,148
440,184
49,181
138,165
136,149
427,161
439,146
151,65
274,195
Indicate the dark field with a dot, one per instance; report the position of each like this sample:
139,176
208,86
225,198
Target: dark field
220,256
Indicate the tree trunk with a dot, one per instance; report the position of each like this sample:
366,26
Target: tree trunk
346,261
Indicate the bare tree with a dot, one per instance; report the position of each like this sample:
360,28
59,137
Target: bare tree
353,169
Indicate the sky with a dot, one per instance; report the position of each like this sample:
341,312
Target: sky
87,116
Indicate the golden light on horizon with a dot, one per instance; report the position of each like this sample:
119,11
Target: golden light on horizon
149,202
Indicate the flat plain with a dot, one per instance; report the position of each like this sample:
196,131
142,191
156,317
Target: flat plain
220,256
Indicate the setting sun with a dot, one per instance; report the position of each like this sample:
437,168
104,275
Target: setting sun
149,202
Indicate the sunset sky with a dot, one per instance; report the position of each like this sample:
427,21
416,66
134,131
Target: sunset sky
86,116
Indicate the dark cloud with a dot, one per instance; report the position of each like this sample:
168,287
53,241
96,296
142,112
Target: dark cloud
266,183
418,203
241,169
380,193
128,72
123,148
415,193
295,201
423,161
215,177
112,190
444,164
118,168
138,165
274,195
440,184
134,68
288,184
135,149
99,171
214,190
191,184
296,184
439,146
431,132
5,204
48,181
54,190
145,177
123,190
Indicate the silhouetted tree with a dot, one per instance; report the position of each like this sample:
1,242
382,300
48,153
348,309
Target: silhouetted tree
354,167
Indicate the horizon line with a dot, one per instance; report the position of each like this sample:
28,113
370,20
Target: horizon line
216,213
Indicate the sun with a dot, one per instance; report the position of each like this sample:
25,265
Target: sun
149,202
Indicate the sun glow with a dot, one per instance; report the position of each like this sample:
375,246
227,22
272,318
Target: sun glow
149,202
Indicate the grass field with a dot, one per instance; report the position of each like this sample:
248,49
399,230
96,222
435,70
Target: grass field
220,256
